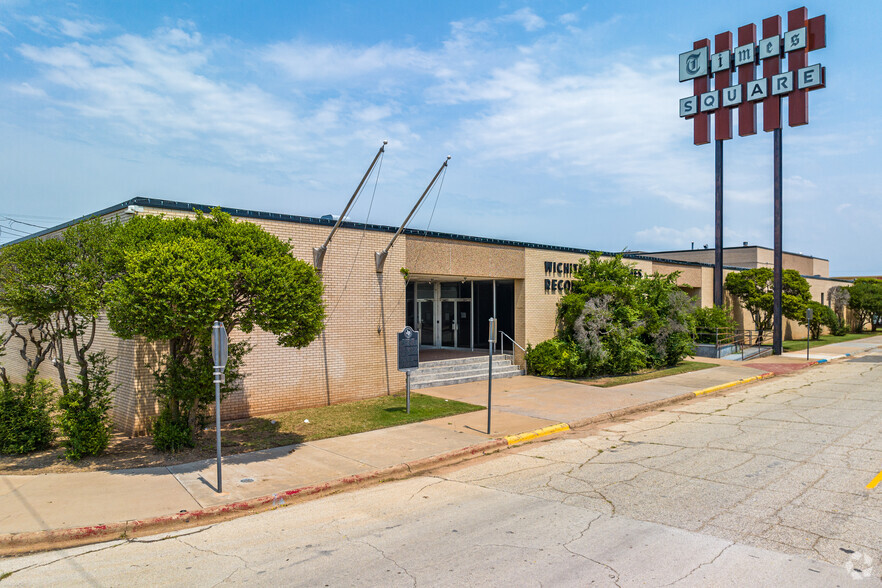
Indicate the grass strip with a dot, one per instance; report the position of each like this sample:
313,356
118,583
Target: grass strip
610,381
799,344
311,424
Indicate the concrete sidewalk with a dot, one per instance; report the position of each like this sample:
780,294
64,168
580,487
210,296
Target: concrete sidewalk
39,503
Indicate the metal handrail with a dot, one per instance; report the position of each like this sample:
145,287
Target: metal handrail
502,347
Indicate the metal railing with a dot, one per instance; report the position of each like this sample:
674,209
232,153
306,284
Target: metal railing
746,342
513,343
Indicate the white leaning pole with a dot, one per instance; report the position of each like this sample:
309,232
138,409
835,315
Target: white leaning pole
219,354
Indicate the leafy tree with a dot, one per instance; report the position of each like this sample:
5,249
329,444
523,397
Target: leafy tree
839,296
822,316
56,286
865,302
54,289
178,275
754,289
624,322
712,319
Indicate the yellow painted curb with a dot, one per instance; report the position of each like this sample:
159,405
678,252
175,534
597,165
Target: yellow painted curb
731,384
512,439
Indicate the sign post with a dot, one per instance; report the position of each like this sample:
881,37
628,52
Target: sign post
808,336
701,67
491,339
219,354
408,356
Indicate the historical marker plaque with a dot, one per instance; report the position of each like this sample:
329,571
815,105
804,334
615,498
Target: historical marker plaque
408,350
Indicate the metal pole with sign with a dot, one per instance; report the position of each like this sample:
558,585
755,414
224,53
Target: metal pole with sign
808,336
492,343
219,354
701,67
408,356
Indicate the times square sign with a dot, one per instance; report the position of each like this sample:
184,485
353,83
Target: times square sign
705,67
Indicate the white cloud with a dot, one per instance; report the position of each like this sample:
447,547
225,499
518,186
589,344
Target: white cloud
26,89
304,61
673,238
79,29
526,18
5,31
155,90
614,123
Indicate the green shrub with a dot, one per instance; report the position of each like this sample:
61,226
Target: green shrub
25,423
709,320
172,434
822,316
555,358
84,418
838,327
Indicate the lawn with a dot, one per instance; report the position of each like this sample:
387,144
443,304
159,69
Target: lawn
245,435
311,424
610,381
799,344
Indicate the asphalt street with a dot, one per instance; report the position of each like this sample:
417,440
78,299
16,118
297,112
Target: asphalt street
764,485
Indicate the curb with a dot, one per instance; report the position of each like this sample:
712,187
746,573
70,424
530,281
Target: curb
732,384
530,435
21,543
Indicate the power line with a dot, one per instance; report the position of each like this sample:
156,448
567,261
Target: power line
9,218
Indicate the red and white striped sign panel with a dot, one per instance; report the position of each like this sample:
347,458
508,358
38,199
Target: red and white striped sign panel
730,58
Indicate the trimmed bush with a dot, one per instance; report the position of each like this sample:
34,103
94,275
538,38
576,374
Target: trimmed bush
84,418
171,434
555,358
25,423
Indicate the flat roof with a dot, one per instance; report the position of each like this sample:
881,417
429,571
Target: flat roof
731,248
309,220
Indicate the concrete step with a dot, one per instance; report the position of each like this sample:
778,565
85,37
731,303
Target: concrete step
448,368
464,360
476,371
463,379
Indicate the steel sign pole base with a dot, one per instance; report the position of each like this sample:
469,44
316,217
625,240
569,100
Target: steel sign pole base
489,386
718,240
217,420
778,323
407,376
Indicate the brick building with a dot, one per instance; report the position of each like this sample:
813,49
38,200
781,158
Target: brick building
454,284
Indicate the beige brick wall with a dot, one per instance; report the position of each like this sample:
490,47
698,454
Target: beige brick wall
355,357
428,256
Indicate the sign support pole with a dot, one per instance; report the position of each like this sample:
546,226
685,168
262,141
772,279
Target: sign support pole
718,241
778,323
808,340
217,422
491,340
407,377
219,355
489,386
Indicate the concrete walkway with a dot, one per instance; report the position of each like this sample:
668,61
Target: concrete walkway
62,501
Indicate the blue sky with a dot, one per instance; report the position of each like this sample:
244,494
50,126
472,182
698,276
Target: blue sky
561,118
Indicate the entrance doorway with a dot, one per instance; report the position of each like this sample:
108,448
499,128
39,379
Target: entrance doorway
453,315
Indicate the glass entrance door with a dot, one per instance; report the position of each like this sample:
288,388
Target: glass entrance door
426,322
456,323
443,313
448,323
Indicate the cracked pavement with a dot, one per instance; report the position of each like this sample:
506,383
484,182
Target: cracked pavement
762,485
